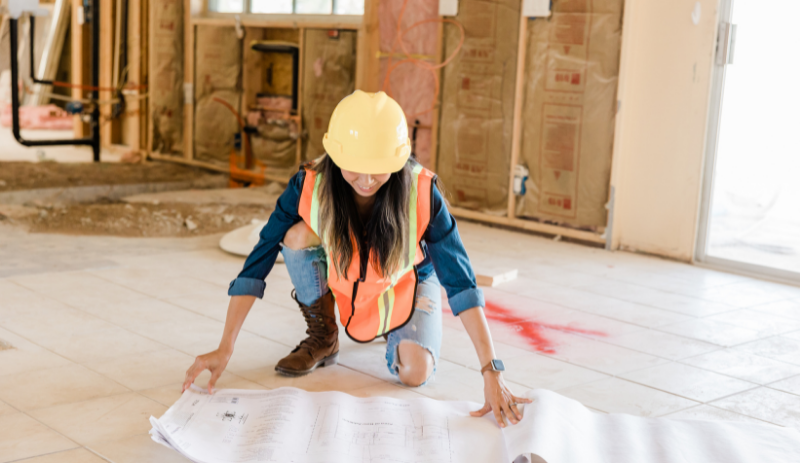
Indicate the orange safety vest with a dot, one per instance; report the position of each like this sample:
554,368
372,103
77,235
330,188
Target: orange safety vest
370,305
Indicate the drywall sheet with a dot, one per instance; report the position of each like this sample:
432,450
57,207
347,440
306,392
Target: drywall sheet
478,105
166,75
329,70
571,74
412,86
218,58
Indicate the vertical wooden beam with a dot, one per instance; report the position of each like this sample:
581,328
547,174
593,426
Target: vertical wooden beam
300,79
252,68
3,24
519,93
144,73
188,81
437,109
133,118
106,63
368,65
76,73
151,27
47,68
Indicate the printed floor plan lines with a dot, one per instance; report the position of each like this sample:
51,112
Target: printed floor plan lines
382,432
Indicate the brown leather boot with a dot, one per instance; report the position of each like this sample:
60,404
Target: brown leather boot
321,347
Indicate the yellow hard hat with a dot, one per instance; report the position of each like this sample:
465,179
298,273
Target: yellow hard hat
368,134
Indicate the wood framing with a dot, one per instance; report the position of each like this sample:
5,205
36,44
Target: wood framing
188,80
519,98
144,72
77,62
528,225
51,54
300,79
438,104
279,21
210,166
368,50
106,63
132,124
251,68
188,162
148,137
367,78
510,219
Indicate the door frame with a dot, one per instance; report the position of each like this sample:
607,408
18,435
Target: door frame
701,258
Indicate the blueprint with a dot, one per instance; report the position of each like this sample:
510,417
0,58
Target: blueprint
291,425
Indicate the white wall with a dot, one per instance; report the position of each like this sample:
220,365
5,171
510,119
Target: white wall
665,82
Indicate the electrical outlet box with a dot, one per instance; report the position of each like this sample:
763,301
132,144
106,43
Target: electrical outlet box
536,8
448,7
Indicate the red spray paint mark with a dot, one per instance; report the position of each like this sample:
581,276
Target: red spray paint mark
531,330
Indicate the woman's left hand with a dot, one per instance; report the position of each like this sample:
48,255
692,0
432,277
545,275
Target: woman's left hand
500,400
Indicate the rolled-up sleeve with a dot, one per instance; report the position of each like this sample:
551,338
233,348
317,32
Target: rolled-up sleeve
259,263
450,259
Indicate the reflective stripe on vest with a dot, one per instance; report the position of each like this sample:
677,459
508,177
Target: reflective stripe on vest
371,306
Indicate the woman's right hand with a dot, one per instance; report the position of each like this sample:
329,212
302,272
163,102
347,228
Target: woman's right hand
214,361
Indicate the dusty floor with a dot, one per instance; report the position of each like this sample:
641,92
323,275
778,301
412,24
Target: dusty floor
35,175
106,217
103,329
123,219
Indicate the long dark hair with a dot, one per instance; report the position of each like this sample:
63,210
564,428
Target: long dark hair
384,237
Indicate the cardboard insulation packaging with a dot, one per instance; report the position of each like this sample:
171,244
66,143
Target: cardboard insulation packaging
478,105
166,75
412,86
329,69
218,58
571,74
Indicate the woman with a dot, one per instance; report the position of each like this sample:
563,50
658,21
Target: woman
364,228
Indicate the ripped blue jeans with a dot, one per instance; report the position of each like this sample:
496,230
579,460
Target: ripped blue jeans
308,269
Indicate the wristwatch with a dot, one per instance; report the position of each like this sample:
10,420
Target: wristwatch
494,365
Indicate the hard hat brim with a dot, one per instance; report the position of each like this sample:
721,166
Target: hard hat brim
369,166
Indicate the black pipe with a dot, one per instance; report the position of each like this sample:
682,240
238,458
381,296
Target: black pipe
94,125
94,122
32,23
123,38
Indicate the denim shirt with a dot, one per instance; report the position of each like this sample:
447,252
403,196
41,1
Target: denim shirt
444,251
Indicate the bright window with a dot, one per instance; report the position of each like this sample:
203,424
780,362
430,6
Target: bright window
226,6
317,7
348,7
271,6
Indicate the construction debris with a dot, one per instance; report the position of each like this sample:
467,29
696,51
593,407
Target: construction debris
15,176
261,196
135,220
492,277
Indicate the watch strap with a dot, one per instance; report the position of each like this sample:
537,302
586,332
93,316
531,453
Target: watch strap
488,367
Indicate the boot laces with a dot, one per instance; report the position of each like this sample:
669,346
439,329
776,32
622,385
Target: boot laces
317,331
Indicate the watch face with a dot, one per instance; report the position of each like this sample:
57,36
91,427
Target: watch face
497,365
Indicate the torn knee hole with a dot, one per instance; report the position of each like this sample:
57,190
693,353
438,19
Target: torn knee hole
425,304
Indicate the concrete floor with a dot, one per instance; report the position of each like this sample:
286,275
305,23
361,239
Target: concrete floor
104,328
